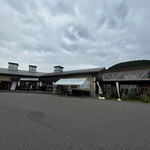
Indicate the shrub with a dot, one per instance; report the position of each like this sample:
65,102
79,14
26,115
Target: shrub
107,96
133,97
124,97
130,97
145,98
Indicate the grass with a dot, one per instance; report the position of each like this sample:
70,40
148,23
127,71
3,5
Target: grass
130,98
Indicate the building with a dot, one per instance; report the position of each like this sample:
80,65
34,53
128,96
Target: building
14,79
133,78
128,77
91,75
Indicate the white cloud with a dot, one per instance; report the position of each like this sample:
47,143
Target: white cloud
74,34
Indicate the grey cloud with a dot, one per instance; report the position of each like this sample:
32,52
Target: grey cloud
82,31
101,21
71,47
112,24
70,35
18,6
115,15
122,9
60,8
74,33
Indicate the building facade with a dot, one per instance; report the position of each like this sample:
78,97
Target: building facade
14,79
128,78
131,80
90,74
11,77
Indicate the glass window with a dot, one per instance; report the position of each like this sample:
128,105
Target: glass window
118,75
108,76
143,74
131,75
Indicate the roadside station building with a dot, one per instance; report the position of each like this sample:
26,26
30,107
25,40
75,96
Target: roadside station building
133,78
77,80
128,77
14,79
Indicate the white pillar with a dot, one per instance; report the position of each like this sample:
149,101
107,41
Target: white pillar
118,91
100,91
40,83
18,83
94,86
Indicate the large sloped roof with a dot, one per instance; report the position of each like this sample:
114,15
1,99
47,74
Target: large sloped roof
4,71
75,72
130,65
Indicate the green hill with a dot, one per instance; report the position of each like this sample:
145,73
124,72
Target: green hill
130,64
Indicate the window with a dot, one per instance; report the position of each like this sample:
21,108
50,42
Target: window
131,75
119,75
143,74
73,86
108,76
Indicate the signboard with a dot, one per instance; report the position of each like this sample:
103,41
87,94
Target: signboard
29,79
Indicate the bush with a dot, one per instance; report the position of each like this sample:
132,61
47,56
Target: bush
145,98
107,96
130,97
124,96
133,97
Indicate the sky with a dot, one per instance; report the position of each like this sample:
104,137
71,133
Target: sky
76,34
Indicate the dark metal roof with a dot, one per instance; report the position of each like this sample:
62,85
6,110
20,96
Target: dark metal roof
32,66
13,63
58,66
4,71
136,64
74,72
126,69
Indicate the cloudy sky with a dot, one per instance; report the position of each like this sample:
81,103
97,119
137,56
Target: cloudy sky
76,34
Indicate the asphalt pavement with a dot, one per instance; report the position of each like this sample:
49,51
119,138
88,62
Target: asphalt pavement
50,122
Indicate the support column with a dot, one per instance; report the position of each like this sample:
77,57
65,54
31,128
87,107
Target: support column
40,83
100,91
18,83
18,88
118,90
94,94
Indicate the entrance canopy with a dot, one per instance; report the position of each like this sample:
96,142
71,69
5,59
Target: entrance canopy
71,81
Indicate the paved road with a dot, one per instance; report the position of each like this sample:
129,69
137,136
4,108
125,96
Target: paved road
46,122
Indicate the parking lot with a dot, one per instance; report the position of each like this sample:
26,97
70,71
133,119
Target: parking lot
50,122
